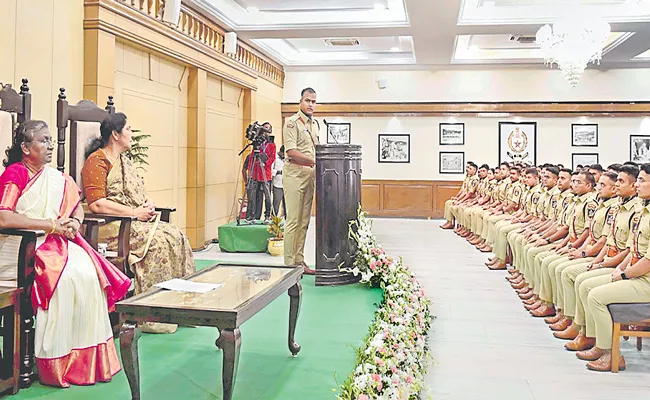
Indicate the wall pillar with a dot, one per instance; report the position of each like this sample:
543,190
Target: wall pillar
99,66
196,135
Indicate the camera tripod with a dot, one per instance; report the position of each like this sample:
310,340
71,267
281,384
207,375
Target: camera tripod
255,157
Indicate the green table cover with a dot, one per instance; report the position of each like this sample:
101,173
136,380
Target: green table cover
244,238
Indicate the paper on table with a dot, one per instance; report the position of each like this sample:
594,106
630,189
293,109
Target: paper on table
181,285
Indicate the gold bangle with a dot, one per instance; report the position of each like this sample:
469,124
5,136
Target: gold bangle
53,227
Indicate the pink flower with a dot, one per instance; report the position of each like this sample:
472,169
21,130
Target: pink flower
364,397
375,377
393,369
409,379
380,385
379,362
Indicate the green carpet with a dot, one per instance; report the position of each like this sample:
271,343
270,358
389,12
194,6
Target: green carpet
187,365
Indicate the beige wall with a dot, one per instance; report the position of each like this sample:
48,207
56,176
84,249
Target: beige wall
152,92
481,142
469,85
223,143
269,102
42,40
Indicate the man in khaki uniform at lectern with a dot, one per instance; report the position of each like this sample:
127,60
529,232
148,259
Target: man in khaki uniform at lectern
299,177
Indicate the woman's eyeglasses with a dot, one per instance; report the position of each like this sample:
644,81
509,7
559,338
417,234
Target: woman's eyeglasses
44,142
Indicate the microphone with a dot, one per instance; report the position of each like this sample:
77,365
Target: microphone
328,132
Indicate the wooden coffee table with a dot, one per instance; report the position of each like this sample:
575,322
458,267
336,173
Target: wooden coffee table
246,290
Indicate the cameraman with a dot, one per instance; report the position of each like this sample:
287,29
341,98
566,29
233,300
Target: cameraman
261,182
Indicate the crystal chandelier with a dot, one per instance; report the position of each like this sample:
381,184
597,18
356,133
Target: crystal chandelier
572,43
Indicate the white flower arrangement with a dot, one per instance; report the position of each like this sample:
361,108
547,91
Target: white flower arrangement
394,357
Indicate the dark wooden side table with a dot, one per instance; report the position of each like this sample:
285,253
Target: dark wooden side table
245,291
10,363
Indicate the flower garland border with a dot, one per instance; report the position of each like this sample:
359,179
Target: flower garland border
392,361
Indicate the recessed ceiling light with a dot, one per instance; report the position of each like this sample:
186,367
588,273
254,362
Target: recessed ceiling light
252,9
379,7
395,49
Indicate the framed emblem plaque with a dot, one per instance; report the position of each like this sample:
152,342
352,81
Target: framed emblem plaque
518,142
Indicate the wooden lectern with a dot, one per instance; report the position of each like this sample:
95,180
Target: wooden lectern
338,194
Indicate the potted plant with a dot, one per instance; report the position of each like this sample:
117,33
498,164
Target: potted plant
276,241
138,153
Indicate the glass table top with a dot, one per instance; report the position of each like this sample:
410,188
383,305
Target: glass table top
240,284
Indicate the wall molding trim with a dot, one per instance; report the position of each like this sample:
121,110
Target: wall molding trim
478,109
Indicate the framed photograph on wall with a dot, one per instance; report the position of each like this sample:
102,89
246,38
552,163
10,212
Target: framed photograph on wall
452,134
518,142
452,162
338,133
584,135
583,159
394,148
640,148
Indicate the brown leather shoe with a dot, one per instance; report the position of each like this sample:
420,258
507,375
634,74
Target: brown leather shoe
519,285
308,271
580,343
604,363
538,303
570,333
479,244
532,300
561,325
485,248
544,311
523,290
592,354
500,266
514,271
554,319
514,278
447,225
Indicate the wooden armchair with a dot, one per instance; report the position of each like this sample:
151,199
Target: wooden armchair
84,119
19,245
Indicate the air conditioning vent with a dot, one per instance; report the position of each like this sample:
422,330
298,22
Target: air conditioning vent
346,42
523,39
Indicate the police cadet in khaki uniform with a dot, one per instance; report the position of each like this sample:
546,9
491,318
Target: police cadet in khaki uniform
476,201
497,210
454,200
458,209
299,177
612,255
584,208
493,199
526,212
481,198
484,202
628,283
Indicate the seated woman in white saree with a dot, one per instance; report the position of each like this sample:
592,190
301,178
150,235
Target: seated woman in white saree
74,286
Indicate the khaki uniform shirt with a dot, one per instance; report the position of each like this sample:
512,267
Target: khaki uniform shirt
622,225
300,133
483,186
472,183
552,201
514,192
532,199
541,201
503,189
603,218
496,186
584,209
564,206
639,240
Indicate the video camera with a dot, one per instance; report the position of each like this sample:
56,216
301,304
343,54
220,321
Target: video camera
255,134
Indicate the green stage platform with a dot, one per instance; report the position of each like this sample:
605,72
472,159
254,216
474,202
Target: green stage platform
187,365
245,238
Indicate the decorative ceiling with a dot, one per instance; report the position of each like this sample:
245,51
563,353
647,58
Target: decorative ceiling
423,34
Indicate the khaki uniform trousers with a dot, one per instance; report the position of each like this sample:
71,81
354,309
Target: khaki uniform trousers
481,223
531,251
468,219
547,291
459,213
605,292
571,278
448,216
503,228
492,221
299,184
554,270
517,244
538,272
584,283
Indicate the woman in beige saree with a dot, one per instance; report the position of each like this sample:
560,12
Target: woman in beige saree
159,251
